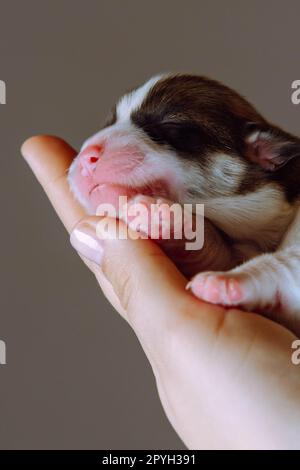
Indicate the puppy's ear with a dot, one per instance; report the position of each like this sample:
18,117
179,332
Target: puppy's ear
269,146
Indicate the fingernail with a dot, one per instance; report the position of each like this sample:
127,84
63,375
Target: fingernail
86,242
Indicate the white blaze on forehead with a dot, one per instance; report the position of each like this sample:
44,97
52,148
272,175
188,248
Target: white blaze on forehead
132,101
127,104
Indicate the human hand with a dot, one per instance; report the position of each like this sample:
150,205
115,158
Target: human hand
224,377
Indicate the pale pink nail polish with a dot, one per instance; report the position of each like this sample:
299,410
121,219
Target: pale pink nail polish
86,242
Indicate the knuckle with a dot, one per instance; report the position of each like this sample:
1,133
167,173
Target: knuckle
123,282
125,289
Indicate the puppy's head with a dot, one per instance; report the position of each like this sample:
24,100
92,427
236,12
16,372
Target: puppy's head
183,137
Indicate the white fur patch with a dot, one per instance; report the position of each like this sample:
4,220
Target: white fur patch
132,101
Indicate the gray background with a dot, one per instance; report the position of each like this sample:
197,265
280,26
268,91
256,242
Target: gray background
76,376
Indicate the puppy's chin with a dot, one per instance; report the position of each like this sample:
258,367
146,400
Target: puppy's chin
106,196
97,197
101,196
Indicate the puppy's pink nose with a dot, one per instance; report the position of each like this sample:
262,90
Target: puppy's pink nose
88,159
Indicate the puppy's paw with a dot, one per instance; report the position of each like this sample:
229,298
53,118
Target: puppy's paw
267,284
154,218
224,288
258,285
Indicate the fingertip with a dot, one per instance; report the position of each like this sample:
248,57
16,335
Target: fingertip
42,146
29,145
49,157
37,142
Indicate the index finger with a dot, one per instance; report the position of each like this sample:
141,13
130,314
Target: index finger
50,158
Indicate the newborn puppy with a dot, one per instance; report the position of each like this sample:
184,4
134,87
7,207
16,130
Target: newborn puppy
190,139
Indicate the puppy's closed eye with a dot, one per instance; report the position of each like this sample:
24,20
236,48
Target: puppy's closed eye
182,136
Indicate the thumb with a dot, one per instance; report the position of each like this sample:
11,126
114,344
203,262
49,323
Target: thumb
147,284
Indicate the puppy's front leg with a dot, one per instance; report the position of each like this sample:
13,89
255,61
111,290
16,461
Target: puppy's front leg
268,284
158,222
